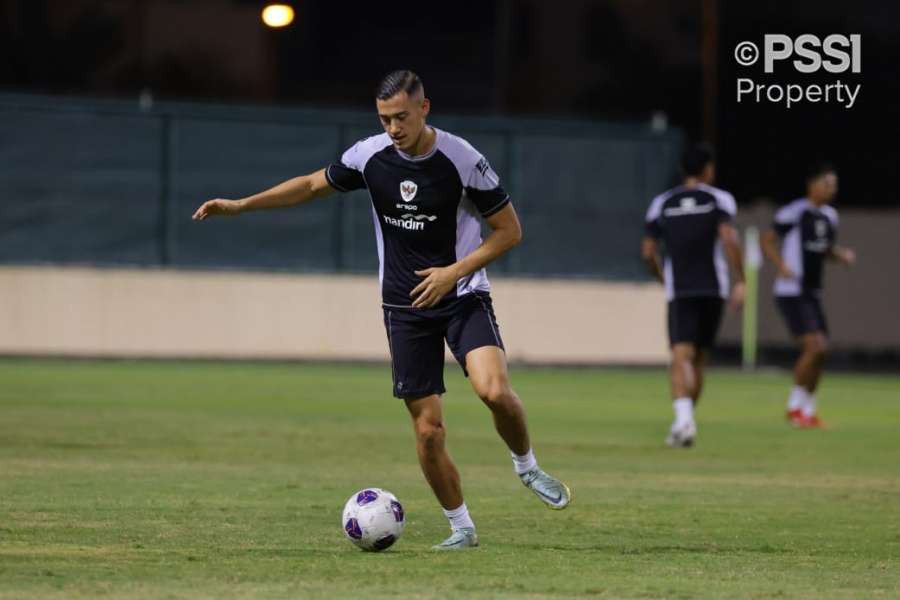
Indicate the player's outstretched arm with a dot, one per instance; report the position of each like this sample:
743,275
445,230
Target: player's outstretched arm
650,254
731,243
289,193
769,245
438,281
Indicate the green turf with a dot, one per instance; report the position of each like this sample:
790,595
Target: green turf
153,480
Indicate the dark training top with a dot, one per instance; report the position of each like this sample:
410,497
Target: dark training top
426,208
687,220
808,234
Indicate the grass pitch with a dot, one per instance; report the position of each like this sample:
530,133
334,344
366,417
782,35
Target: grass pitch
151,480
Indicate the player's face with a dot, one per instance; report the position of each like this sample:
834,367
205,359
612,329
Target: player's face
403,118
824,187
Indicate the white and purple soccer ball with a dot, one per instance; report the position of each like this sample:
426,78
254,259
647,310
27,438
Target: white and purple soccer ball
373,519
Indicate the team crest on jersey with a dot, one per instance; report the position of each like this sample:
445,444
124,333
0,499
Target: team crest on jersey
408,190
688,203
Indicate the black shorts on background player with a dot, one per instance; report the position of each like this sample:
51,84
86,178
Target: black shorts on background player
695,320
416,339
803,314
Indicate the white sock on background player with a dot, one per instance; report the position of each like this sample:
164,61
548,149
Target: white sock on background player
459,517
809,405
684,411
798,398
524,463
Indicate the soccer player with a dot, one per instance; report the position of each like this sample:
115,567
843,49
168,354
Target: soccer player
694,223
807,229
429,190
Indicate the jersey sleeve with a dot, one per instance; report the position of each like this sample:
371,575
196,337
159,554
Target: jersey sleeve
483,188
346,175
785,220
832,215
653,220
726,207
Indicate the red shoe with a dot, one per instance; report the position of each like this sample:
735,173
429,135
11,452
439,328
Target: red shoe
795,418
813,422
803,422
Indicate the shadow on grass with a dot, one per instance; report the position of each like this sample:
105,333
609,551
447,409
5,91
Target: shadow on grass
659,550
308,552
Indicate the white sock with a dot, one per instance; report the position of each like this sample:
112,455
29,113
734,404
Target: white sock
459,517
684,411
524,463
798,397
809,406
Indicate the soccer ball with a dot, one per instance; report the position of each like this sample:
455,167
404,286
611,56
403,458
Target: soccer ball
373,519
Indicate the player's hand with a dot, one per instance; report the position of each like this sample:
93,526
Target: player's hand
738,293
846,256
785,272
438,281
219,206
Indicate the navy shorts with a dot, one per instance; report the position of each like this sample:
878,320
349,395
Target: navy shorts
803,314
695,320
416,340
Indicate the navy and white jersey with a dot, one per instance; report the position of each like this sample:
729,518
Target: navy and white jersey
807,236
686,220
427,209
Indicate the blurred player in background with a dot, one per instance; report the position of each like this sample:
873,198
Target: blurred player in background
693,221
807,229
429,191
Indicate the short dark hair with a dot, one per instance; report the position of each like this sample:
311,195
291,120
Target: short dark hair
695,159
395,82
818,169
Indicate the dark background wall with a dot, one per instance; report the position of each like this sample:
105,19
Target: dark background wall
85,181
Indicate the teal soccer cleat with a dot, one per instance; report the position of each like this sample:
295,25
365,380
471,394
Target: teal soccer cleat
460,539
552,492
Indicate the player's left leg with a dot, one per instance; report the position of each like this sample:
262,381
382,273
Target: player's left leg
711,312
807,373
474,338
489,376
684,386
806,320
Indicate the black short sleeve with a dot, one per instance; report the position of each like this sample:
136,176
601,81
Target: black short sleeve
488,202
782,229
653,229
343,178
724,216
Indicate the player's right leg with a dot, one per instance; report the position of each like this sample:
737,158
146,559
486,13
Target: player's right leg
699,368
417,367
439,470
